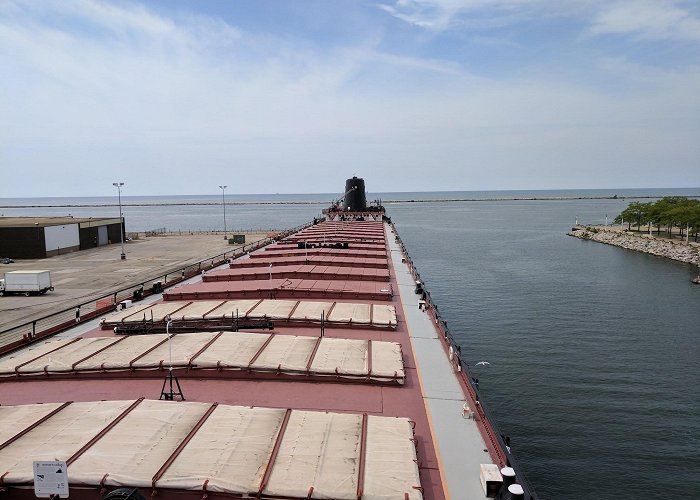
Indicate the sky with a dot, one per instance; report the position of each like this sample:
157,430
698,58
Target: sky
179,97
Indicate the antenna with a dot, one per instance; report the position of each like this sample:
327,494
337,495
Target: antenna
169,378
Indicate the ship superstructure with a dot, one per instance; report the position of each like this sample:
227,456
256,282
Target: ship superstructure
316,367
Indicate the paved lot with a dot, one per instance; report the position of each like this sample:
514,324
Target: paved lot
80,276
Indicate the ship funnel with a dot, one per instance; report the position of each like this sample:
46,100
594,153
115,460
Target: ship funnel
355,198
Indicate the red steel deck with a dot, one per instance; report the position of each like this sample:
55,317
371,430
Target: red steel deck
340,252
330,260
282,392
283,289
374,246
316,272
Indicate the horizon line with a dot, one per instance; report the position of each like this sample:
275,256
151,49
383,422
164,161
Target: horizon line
368,192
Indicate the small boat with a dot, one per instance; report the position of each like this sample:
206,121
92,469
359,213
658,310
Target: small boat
696,280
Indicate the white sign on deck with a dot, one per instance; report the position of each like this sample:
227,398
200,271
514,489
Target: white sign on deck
50,478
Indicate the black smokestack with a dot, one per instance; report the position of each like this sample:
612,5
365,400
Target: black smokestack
355,198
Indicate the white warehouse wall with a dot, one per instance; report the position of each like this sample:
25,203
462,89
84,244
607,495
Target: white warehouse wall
66,236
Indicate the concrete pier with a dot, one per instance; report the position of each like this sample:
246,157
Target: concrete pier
84,275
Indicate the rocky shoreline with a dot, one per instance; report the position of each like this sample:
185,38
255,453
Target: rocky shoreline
675,250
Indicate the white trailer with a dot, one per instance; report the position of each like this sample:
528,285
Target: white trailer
26,282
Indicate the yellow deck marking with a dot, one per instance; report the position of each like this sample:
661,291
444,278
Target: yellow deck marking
443,480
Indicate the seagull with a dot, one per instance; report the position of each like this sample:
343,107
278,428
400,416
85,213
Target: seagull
483,363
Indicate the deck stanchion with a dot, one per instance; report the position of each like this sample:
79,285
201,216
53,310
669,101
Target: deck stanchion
313,355
275,451
363,453
151,349
97,352
206,346
104,431
369,359
164,468
33,425
42,355
170,396
262,348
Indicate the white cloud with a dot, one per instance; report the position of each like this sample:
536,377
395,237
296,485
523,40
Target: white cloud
431,14
440,15
653,20
119,18
647,19
172,103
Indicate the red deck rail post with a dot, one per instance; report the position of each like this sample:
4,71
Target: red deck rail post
275,451
291,313
164,468
179,309
215,307
104,431
33,425
330,310
313,355
120,339
363,454
262,348
206,346
151,349
369,359
42,355
252,308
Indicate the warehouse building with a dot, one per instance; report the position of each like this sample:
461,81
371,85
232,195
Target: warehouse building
39,237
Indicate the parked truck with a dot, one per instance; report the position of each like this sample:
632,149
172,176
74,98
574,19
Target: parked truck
26,283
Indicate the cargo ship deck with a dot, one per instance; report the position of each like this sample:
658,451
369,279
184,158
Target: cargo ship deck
310,369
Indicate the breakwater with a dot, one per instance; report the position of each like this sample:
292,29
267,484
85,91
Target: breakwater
640,242
325,203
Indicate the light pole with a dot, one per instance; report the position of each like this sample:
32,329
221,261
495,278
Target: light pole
119,185
223,202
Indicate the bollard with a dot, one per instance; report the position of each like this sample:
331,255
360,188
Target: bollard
508,476
516,491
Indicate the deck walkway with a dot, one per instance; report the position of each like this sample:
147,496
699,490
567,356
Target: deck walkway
457,440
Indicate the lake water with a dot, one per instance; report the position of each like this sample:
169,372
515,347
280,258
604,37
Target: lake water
593,350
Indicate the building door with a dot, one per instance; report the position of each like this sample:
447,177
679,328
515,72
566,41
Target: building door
102,238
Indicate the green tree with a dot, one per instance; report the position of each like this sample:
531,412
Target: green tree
695,219
636,213
670,211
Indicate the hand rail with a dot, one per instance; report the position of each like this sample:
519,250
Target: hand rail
32,330
493,432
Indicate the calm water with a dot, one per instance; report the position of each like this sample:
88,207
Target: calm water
261,211
593,349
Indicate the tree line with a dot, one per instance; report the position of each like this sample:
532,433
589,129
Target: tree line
669,212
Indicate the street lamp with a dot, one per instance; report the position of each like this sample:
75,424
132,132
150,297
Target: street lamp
223,202
119,185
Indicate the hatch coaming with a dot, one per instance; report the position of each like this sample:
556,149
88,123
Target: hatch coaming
345,321
166,446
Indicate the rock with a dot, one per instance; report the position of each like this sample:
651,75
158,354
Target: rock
675,250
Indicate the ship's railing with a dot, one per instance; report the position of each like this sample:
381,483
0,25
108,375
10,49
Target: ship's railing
499,443
31,331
